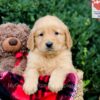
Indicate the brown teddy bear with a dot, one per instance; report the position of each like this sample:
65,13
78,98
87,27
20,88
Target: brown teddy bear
13,50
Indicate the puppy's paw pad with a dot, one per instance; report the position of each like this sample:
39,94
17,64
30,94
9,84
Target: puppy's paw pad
55,86
29,89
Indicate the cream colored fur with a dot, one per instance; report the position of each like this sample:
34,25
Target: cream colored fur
57,62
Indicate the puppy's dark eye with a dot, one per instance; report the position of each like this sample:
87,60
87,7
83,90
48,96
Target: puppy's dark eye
41,34
57,33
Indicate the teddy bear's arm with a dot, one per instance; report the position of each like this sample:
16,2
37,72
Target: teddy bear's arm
6,64
20,68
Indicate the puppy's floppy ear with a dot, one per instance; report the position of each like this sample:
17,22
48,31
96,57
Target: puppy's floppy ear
30,41
68,38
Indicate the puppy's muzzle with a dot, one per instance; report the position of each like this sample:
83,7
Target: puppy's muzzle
49,45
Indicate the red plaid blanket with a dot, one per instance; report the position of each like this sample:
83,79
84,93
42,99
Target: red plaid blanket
11,88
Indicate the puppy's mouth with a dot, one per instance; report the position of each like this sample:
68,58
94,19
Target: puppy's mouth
50,52
50,49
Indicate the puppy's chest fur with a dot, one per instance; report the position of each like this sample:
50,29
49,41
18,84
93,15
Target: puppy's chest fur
46,66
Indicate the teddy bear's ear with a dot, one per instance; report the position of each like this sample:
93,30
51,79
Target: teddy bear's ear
68,38
30,41
24,27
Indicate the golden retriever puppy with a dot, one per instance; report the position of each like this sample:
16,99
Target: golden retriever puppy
49,43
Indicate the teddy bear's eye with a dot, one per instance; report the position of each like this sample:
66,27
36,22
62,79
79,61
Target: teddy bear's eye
41,34
57,33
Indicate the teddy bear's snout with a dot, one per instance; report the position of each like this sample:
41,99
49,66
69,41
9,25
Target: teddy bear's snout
13,42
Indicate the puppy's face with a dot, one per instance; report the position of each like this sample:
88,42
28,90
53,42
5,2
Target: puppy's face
50,39
49,34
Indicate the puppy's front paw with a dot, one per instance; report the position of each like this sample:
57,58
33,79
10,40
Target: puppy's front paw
55,85
30,88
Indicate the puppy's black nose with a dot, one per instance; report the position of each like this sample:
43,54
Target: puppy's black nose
49,44
13,42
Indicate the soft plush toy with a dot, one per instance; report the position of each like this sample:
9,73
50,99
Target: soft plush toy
13,50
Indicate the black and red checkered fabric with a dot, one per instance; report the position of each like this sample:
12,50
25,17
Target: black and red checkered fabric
11,88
